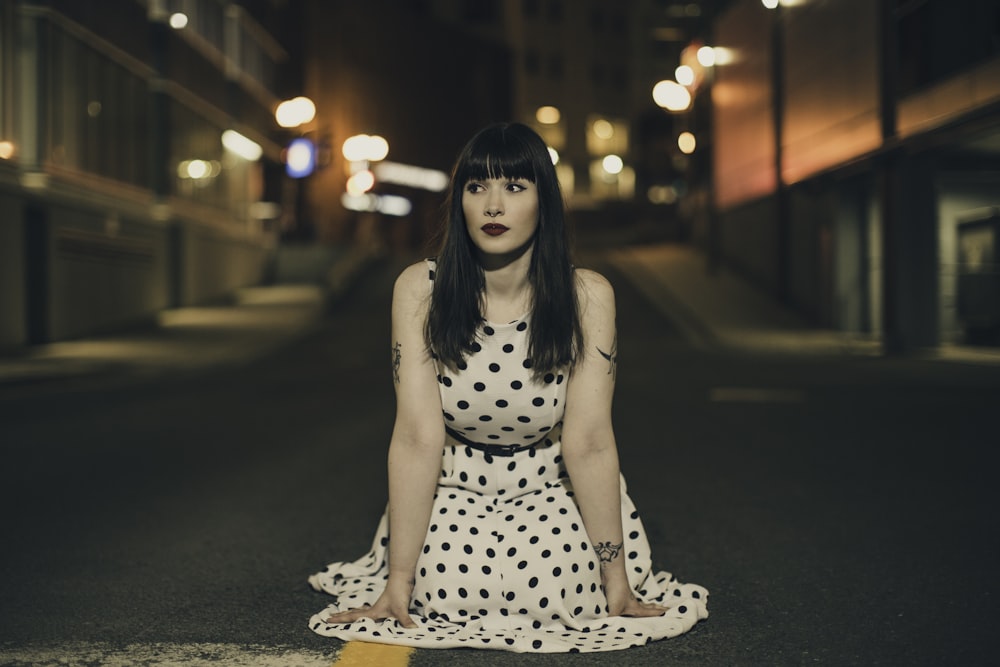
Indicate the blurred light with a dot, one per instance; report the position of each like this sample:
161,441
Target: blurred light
363,147
553,155
295,112
300,158
662,194
414,177
388,204
94,109
240,145
394,205
360,183
770,4
6,150
379,148
723,55
265,210
547,115
612,164
684,75
178,20
603,129
671,96
706,56
687,143
359,202
197,169
692,10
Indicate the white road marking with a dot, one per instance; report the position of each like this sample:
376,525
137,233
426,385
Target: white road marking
162,655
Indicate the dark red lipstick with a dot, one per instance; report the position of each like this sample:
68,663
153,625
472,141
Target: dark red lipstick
494,228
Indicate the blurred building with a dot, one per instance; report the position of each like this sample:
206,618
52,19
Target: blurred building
426,74
139,165
857,162
396,71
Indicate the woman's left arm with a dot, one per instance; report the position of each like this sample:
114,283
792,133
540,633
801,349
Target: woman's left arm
589,447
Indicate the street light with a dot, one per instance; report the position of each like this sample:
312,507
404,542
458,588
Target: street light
365,148
671,95
295,112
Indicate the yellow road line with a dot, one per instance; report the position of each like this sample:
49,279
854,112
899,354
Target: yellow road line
365,654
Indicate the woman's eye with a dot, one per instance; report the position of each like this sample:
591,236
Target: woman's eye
515,187
474,187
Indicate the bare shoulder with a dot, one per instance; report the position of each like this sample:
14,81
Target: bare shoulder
594,292
413,283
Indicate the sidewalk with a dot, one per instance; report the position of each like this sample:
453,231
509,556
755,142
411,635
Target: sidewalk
189,339
722,310
182,339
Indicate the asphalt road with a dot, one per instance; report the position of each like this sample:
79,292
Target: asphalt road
840,510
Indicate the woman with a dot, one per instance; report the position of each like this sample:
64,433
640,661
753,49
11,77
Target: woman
510,524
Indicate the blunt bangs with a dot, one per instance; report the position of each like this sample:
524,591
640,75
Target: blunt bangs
498,152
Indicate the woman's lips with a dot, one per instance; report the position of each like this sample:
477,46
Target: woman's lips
494,228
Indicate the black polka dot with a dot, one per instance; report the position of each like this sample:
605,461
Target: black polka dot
479,386
538,401
502,403
515,385
463,405
494,368
508,348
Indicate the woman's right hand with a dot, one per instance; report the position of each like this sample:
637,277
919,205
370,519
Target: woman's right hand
393,603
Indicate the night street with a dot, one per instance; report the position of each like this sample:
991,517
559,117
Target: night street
839,509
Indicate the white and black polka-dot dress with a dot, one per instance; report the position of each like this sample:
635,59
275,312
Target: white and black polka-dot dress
507,563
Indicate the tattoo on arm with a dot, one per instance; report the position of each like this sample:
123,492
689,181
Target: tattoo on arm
396,356
607,552
612,358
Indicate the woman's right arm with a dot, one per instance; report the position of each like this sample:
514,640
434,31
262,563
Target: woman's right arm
414,450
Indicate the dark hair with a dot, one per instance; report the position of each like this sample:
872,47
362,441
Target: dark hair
555,337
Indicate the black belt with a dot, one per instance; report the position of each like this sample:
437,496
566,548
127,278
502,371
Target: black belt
492,450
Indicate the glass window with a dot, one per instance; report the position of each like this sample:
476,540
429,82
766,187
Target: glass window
97,120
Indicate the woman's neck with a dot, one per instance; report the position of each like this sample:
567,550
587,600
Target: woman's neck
508,289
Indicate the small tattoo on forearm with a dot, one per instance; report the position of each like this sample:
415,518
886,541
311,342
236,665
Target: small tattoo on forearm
607,552
396,356
612,357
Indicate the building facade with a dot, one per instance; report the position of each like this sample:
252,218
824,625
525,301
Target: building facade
856,155
138,158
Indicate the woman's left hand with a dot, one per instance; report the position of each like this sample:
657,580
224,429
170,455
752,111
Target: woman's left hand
622,602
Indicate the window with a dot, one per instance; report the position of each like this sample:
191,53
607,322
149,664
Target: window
97,119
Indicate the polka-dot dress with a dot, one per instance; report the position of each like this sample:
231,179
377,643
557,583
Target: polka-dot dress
507,563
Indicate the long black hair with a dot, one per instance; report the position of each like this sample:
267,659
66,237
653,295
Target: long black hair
555,337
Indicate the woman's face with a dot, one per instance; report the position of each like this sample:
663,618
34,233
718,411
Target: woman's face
501,215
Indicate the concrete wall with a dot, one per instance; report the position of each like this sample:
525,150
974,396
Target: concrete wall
105,270
747,241
69,269
13,309
831,85
214,263
743,147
